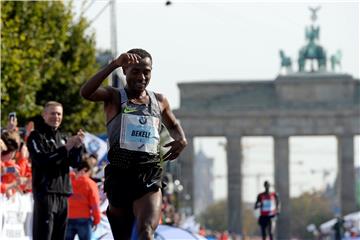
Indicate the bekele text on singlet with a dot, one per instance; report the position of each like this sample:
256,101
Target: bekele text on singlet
139,133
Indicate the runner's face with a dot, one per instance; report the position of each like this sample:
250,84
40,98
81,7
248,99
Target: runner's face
138,75
53,116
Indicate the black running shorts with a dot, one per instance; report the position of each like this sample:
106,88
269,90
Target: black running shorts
264,221
124,186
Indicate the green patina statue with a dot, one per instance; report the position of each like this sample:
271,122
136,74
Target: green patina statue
285,61
335,60
312,51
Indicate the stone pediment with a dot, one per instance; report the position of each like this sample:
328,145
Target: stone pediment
298,91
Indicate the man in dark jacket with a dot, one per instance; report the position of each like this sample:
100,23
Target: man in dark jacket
51,156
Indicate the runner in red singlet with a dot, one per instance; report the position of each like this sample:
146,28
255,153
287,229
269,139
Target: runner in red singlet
269,204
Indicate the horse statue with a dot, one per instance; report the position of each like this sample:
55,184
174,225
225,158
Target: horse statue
335,60
312,51
285,61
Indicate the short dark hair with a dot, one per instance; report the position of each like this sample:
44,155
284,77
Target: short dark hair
84,164
141,52
10,141
266,183
94,155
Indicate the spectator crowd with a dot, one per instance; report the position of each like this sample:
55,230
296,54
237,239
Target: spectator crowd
16,178
87,182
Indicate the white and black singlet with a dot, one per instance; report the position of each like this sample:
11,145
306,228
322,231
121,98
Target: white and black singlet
134,133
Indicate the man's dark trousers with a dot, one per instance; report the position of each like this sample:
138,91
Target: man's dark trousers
50,217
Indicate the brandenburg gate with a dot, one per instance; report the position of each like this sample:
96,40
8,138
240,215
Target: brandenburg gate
303,103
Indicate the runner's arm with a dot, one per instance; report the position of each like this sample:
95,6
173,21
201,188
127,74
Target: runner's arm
174,128
257,203
92,89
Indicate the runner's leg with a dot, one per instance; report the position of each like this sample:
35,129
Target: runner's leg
121,222
262,224
147,211
271,228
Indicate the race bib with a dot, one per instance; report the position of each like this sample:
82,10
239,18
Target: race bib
268,205
139,133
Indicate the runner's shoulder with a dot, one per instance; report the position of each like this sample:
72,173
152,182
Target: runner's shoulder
161,97
163,101
113,93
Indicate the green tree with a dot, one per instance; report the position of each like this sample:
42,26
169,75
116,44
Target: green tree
251,227
307,209
215,216
46,55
